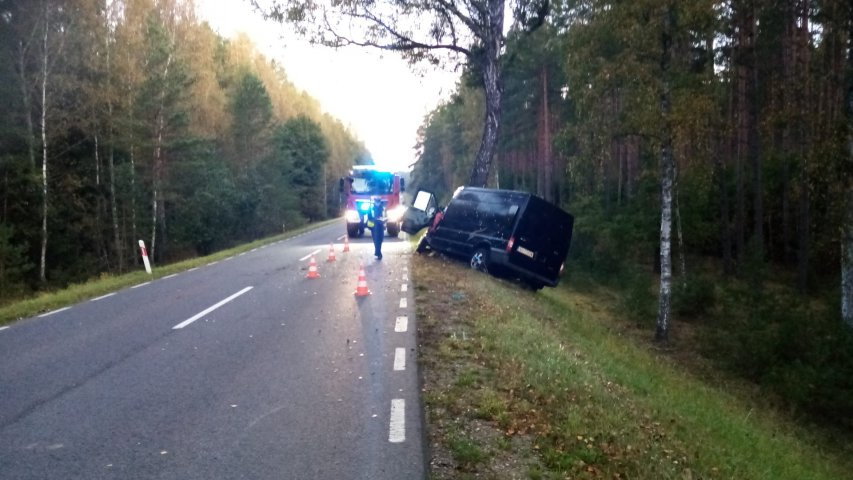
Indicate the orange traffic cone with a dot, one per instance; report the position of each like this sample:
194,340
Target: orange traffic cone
346,244
361,289
312,269
331,253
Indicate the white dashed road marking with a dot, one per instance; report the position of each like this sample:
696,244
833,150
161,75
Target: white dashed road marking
404,287
140,285
103,297
399,359
306,257
341,237
402,324
55,311
213,263
3,328
403,302
210,309
397,429
170,276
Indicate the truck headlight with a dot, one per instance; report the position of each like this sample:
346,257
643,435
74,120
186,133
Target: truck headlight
396,213
352,216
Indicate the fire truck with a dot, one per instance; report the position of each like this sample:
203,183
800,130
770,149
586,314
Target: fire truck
365,185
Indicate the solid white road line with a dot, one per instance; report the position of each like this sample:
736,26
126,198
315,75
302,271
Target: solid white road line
403,302
170,276
140,285
102,297
241,254
193,269
3,328
306,257
404,287
397,429
402,324
399,359
210,309
55,311
213,263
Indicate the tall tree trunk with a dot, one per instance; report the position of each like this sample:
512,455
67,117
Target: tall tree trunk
493,85
667,177
548,165
111,158
803,98
157,174
847,252
44,169
847,228
25,97
725,228
682,261
753,141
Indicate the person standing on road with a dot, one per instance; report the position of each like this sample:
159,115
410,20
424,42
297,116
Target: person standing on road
376,221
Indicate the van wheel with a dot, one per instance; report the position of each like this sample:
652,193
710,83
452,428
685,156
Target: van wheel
480,260
534,286
393,229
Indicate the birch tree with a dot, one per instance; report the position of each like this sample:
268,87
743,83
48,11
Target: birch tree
667,180
471,31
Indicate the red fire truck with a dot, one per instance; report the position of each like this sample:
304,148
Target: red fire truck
366,185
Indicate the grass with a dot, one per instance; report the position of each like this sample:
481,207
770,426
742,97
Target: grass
107,283
553,386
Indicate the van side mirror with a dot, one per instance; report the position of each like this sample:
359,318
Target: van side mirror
402,184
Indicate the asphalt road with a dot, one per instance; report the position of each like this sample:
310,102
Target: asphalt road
271,375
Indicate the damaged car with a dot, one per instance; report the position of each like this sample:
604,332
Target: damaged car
503,232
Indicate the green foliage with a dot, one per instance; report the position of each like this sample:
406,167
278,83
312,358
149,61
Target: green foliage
802,354
300,145
13,263
143,97
693,296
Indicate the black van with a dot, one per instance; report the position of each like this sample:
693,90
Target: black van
501,231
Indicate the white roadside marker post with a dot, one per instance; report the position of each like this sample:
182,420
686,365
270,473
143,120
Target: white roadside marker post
145,257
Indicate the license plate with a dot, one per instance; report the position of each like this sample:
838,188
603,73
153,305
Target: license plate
525,252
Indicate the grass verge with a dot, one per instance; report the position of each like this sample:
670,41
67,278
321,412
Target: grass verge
107,283
547,386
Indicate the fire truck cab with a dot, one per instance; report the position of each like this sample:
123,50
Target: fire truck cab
365,185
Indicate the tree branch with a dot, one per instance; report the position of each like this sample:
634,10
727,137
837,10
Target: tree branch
403,43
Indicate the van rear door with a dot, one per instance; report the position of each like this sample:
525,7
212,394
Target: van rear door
420,214
542,238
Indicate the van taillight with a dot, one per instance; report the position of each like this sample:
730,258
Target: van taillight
509,244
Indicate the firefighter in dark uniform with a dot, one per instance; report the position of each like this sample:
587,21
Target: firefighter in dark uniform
376,222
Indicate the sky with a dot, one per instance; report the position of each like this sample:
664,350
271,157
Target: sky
380,98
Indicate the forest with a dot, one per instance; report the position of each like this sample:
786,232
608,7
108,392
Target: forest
750,100
133,119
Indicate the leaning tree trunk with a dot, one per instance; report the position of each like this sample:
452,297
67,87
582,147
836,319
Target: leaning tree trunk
667,177
493,85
